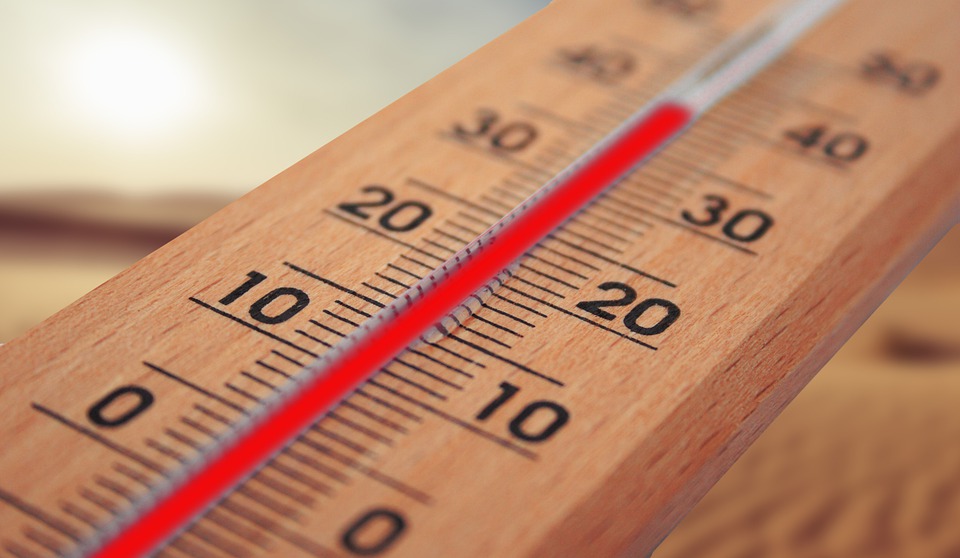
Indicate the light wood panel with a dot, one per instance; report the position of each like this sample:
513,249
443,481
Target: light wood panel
644,424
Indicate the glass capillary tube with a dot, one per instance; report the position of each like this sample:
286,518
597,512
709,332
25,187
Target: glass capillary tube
201,482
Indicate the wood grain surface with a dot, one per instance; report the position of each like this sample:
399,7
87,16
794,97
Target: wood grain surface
864,463
861,463
651,421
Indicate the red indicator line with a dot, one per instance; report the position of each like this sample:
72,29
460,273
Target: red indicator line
274,431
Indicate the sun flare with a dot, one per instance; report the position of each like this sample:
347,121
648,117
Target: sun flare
130,81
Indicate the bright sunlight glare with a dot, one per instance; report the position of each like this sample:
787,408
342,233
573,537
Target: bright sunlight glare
130,81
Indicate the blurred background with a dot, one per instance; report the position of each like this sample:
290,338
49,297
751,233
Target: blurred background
124,122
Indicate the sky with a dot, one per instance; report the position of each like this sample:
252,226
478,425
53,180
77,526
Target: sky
217,96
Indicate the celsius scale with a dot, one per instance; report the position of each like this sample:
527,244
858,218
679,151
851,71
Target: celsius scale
536,307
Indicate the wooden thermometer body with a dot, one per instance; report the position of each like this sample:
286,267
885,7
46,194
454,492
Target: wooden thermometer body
586,403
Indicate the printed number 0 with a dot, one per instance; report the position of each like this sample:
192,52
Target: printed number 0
365,538
141,397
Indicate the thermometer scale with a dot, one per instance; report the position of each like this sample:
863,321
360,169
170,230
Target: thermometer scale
481,331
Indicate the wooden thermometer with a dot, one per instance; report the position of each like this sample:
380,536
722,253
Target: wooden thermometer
534,308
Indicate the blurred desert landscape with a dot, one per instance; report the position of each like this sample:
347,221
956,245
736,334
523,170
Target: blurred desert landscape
866,461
